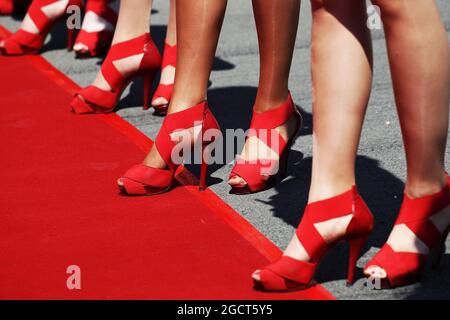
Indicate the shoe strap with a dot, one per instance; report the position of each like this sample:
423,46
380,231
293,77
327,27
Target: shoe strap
182,120
321,211
102,9
119,51
255,173
273,118
169,56
24,39
94,40
295,270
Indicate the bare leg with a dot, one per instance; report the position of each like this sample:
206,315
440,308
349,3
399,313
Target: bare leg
339,104
276,23
419,58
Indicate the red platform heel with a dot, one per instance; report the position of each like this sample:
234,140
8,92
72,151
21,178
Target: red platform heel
263,174
144,180
403,268
8,7
95,100
23,42
288,274
97,42
165,90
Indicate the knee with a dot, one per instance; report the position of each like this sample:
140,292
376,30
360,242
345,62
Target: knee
390,8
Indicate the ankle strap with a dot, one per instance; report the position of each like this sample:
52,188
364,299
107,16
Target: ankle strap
273,118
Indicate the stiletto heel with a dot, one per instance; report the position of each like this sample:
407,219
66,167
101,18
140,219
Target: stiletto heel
95,100
355,247
403,268
23,42
263,127
144,180
288,274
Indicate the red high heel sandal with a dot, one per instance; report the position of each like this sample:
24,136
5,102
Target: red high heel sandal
8,7
288,274
165,90
23,42
95,100
97,41
145,180
403,268
274,170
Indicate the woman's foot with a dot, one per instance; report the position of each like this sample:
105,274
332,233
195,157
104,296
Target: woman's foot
422,224
324,223
163,93
256,149
98,27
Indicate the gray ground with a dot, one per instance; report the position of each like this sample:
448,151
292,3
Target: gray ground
276,212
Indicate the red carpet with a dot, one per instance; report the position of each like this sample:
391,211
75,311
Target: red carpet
60,206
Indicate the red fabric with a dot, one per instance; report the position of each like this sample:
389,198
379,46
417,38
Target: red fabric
359,228
289,268
60,207
6,6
